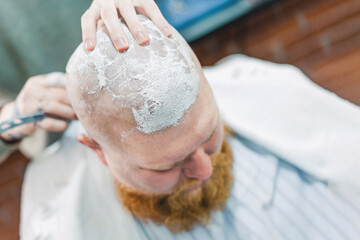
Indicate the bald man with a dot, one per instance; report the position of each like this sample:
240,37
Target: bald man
124,102
157,164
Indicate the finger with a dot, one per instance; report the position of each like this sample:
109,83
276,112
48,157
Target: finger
112,23
155,15
100,24
88,26
58,95
55,79
58,109
35,81
141,11
127,11
53,125
28,99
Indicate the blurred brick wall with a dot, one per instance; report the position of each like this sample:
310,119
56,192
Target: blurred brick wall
321,37
11,177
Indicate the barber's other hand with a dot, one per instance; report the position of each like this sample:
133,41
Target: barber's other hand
109,12
42,92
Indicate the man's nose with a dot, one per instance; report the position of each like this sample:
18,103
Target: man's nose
198,165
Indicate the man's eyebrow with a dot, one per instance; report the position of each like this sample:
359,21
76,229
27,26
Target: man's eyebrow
213,132
168,167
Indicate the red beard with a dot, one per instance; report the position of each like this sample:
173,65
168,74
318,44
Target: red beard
182,210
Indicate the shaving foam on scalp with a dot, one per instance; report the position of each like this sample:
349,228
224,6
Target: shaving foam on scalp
159,82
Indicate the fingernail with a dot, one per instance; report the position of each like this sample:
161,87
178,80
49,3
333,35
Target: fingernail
141,37
120,44
89,44
166,31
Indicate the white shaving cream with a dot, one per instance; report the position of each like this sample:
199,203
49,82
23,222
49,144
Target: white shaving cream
158,82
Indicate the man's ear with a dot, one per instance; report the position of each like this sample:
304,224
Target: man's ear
85,140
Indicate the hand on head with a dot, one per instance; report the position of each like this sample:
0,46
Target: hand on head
41,93
109,11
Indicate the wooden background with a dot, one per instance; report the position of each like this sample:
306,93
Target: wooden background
321,37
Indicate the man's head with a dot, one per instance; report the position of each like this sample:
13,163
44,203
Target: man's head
149,113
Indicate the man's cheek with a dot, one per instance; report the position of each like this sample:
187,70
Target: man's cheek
122,172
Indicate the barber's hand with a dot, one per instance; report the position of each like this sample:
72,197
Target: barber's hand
109,12
46,93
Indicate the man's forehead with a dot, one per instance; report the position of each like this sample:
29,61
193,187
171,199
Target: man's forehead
174,145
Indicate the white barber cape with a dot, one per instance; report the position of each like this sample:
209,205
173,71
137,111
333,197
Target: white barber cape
285,125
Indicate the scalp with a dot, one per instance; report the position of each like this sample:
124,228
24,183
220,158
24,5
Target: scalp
148,88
